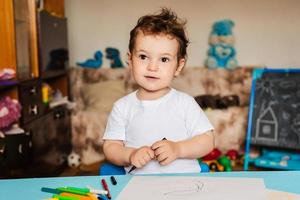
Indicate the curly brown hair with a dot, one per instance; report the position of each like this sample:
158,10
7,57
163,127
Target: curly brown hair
166,22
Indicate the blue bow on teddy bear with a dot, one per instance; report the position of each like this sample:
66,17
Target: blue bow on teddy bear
221,55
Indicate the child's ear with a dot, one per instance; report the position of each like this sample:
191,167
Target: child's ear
181,64
129,58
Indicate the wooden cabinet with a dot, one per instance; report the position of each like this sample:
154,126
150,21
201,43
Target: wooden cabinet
7,35
18,47
55,7
19,51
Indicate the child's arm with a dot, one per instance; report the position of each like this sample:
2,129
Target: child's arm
196,147
118,154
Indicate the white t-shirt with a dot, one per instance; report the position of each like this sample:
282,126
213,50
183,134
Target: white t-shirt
175,116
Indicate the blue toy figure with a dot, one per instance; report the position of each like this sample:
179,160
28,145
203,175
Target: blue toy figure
221,52
113,55
221,55
222,32
92,63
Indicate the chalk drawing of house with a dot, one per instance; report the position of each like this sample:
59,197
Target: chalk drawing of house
267,126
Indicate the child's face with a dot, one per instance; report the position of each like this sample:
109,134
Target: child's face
154,62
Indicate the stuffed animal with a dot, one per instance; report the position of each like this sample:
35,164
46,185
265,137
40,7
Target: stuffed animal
221,52
113,55
58,59
10,112
221,55
222,32
96,62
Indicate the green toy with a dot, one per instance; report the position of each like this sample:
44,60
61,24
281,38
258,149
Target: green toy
225,162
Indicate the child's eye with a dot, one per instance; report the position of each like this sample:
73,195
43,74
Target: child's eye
143,57
164,59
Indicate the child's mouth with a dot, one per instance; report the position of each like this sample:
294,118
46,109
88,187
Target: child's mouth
151,78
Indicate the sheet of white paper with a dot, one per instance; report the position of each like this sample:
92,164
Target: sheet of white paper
279,195
192,188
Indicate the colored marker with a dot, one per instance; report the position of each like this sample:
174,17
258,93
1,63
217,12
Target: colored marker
102,197
80,197
105,187
73,190
113,180
134,167
81,191
59,197
88,190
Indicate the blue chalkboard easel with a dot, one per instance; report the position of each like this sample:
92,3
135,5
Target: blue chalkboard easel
272,157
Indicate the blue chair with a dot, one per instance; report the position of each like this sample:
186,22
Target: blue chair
111,169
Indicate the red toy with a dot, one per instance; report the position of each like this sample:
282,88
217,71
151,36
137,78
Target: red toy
213,155
232,154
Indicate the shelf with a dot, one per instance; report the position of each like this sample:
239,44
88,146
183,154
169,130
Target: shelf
48,75
8,84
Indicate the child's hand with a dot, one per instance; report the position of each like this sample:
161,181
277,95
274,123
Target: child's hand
141,156
165,151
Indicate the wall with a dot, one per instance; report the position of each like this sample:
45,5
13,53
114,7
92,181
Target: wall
267,32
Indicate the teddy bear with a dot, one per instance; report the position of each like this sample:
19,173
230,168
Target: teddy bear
222,32
221,55
221,52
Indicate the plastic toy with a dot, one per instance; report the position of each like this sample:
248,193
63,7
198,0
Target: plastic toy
240,159
232,154
213,155
96,62
225,162
221,55
278,160
204,167
214,166
113,55
234,157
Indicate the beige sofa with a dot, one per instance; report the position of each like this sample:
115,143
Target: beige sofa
95,90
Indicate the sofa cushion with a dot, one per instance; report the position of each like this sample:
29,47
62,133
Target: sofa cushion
100,96
230,127
202,81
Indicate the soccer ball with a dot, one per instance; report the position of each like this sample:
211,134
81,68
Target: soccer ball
74,160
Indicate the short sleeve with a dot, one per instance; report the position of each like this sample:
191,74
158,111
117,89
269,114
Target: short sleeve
115,127
195,118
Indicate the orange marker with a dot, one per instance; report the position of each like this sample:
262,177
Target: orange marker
80,197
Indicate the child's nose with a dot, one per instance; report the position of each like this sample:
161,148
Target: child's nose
152,66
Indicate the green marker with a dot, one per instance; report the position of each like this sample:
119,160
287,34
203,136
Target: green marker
80,191
73,190
59,197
